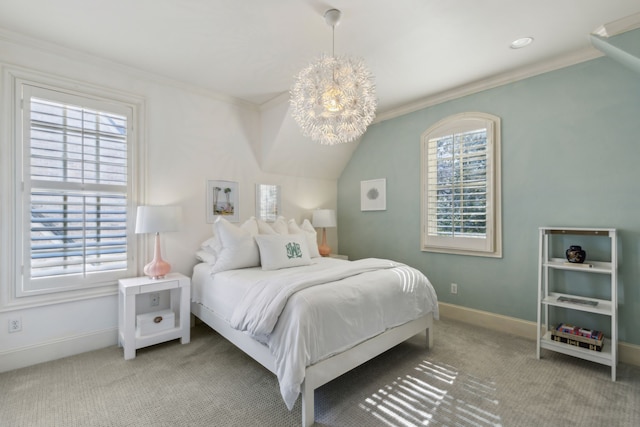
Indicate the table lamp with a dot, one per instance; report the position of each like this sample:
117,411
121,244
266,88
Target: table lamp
323,218
157,219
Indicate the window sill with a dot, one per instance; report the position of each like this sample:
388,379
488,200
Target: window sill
21,303
497,254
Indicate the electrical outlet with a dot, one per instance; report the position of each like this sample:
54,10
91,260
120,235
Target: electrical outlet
454,288
155,299
15,325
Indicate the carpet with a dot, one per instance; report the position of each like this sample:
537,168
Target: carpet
472,377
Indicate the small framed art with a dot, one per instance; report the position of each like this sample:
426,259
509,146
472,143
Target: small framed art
373,195
222,200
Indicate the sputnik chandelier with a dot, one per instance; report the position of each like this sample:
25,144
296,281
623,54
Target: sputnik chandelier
333,100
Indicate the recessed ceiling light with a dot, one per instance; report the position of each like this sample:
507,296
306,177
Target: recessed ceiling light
520,43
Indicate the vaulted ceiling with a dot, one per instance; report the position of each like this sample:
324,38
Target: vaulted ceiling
250,50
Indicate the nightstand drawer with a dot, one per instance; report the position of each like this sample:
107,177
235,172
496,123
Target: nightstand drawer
154,322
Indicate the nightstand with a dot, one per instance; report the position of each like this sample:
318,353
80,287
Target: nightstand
134,331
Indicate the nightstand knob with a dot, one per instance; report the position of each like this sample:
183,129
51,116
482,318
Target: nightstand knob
157,319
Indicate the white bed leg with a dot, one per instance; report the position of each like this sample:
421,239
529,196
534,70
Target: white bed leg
429,338
308,416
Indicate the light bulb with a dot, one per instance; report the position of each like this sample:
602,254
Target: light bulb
331,99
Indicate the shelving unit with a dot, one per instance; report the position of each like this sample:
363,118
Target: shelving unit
548,294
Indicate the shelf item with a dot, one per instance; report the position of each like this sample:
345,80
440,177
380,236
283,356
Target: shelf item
140,329
589,337
577,343
595,350
571,300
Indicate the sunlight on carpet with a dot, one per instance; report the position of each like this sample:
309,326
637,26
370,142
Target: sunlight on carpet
427,397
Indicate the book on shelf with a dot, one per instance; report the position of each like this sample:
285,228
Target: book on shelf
579,334
576,330
575,342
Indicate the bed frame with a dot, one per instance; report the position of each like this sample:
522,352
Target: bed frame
328,369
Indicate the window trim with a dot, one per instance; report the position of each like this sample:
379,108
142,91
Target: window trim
491,247
13,295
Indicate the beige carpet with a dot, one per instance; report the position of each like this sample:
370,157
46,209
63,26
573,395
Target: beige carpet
472,377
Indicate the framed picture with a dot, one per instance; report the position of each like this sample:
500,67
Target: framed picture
222,200
373,195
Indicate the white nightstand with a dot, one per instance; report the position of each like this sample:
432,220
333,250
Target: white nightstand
132,336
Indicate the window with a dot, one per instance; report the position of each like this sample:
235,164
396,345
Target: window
461,186
267,202
74,181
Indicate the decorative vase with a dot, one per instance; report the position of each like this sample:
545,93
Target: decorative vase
576,254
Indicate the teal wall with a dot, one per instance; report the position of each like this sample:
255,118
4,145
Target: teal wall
570,157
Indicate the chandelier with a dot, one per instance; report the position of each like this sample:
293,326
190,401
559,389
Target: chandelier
333,100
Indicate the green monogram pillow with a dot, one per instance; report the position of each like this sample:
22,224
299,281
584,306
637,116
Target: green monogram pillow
282,250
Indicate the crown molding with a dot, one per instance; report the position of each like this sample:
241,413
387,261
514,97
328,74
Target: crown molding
76,55
458,92
619,26
493,82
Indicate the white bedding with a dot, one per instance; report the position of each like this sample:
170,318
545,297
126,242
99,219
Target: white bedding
318,321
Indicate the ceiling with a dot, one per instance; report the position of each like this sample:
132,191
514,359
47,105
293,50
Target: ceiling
252,49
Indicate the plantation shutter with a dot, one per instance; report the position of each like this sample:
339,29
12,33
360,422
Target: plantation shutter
458,186
76,190
268,202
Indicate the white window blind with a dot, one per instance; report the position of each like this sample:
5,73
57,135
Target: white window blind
458,185
76,190
267,202
460,191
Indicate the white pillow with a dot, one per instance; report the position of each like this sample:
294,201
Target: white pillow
205,256
211,245
264,228
282,251
209,250
312,239
251,225
239,250
280,225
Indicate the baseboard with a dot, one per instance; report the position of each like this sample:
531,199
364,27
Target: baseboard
627,353
69,346
52,350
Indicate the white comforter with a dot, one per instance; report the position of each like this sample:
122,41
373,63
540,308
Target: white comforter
303,323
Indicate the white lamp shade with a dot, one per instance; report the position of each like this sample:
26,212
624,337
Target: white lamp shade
156,219
323,218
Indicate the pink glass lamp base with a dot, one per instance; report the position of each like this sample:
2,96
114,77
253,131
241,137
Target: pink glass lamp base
324,249
158,267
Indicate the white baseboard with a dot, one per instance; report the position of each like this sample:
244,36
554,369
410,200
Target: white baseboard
627,353
52,350
69,346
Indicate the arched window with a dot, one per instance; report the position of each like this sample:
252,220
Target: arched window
461,210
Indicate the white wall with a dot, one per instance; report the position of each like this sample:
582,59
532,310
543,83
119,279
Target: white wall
191,136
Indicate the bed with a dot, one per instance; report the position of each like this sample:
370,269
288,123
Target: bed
312,322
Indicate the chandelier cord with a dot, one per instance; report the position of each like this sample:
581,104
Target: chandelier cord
333,49
333,41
